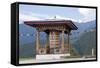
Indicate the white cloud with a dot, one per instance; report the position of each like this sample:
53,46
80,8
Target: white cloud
26,17
79,21
32,17
62,17
88,14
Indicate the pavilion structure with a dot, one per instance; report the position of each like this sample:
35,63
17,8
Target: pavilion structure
53,28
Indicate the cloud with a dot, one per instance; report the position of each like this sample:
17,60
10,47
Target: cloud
26,17
88,14
62,17
30,16
33,17
36,16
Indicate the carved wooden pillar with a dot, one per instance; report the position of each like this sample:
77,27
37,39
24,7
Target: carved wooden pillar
47,43
69,45
62,48
37,42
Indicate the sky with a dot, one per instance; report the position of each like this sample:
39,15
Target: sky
37,12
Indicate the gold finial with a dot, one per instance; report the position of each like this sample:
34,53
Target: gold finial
55,17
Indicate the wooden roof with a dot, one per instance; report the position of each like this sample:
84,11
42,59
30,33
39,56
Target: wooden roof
68,23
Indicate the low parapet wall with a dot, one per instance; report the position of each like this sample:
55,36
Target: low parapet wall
51,56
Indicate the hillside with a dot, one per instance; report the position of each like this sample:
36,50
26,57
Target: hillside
27,50
85,43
